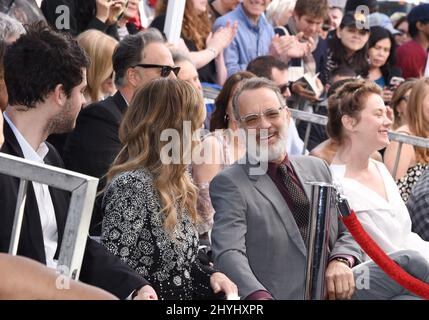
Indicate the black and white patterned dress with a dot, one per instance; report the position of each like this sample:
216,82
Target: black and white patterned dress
407,182
133,230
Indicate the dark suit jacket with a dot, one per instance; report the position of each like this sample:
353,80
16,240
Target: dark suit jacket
99,267
94,143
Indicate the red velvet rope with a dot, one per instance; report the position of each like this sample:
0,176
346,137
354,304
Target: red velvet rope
371,248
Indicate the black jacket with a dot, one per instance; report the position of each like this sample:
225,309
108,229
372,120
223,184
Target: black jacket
94,143
99,267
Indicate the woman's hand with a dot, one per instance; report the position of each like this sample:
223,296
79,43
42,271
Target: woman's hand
102,9
117,7
146,293
222,37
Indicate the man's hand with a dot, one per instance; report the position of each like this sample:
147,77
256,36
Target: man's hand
222,37
146,293
340,283
220,282
287,47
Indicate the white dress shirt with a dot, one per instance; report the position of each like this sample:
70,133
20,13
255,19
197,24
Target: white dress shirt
43,196
387,222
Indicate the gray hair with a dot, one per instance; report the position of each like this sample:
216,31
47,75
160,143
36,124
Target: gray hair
181,57
129,52
10,27
277,8
253,84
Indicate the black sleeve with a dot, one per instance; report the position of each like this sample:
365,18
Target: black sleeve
94,143
159,23
111,30
102,269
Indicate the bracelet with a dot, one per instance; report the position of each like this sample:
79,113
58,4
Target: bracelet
212,50
344,260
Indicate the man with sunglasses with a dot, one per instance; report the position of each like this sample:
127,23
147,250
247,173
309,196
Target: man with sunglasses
94,144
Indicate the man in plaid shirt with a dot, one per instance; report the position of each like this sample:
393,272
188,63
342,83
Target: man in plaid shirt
418,206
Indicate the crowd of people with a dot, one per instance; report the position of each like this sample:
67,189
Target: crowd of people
208,198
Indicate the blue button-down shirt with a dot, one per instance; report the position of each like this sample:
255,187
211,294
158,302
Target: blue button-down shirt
250,42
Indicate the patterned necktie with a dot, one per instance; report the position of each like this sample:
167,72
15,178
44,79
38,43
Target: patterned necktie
300,204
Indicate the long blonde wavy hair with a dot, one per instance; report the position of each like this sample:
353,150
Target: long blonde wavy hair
99,47
419,126
160,105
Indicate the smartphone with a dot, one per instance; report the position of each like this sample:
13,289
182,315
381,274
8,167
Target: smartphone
395,82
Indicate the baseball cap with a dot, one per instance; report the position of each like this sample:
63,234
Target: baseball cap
419,13
351,5
382,20
355,19
337,4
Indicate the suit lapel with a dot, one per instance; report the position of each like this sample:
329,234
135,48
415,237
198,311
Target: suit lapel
268,189
120,102
31,232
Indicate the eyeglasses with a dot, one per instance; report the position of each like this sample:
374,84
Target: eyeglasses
252,120
165,70
284,87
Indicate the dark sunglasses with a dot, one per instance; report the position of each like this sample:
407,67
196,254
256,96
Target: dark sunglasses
165,70
284,87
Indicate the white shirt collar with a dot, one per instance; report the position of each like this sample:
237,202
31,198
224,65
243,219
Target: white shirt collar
27,150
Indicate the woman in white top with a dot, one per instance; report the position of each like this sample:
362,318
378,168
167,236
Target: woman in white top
358,120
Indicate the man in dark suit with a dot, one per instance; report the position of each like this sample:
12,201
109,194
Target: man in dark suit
41,103
94,143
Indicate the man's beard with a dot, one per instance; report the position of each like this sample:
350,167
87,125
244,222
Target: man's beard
278,149
268,153
64,121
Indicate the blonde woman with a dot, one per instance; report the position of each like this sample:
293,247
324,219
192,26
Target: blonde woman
150,202
413,160
99,47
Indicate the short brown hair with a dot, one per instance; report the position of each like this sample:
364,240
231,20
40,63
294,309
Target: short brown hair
348,100
312,8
